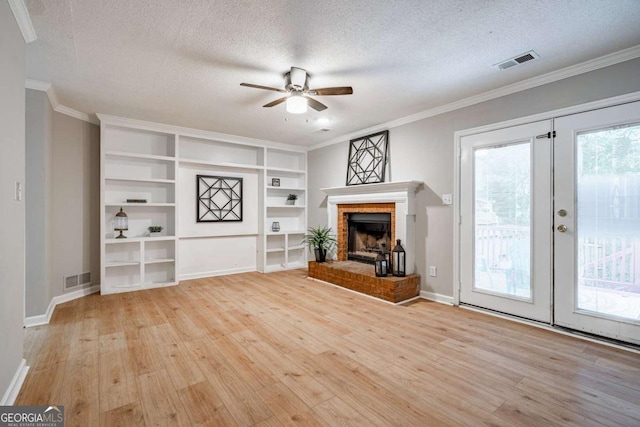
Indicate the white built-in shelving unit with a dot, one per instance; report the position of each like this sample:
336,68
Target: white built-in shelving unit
137,164
159,163
282,248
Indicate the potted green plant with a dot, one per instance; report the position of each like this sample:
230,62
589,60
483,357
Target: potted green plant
321,241
291,199
154,230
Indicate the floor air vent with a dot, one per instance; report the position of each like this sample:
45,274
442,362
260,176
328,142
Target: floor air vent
76,280
71,282
520,59
85,279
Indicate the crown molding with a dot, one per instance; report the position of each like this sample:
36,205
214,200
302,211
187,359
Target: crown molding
37,85
196,133
574,70
21,13
53,100
89,118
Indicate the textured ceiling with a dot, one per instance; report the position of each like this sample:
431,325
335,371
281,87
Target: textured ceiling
181,62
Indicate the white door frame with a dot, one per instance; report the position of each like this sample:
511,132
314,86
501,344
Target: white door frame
581,108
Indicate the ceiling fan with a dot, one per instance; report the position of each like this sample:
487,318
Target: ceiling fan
298,92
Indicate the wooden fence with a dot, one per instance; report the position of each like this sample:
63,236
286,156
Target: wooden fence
610,262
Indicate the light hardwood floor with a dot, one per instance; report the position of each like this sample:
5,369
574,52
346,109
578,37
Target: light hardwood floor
278,349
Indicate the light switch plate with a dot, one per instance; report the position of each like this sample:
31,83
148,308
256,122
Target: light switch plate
433,271
18,195
447,199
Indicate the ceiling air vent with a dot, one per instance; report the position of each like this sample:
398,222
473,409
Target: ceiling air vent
520,59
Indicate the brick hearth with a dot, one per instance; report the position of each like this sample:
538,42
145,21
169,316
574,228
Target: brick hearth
360,277
343,222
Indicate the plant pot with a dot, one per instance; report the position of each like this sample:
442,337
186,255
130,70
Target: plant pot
155,234
291,202
321,254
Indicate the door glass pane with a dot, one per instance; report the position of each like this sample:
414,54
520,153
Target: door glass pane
608,221
502,219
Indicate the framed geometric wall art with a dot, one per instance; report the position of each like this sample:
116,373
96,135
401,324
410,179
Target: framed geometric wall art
219,198
367,159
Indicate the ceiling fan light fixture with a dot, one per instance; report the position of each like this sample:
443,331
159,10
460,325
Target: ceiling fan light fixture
296,104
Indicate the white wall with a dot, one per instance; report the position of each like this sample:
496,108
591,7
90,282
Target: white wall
210,254
62,201
12,212
39,140
424,151
75,200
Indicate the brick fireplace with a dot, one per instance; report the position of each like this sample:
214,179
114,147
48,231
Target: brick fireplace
342,229
371,203
395,198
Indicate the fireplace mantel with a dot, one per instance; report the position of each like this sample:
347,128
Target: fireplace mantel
401,193
382,187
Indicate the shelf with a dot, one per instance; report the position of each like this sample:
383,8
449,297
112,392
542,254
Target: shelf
273,267
274,250
221,164
272,169
109,264
298,247
129,155
208,236
158,284
132,285
271,187
138,239
156,181
286,207
279,233
159,260
139,204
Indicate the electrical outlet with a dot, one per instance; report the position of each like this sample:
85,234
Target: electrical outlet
447,199
433,271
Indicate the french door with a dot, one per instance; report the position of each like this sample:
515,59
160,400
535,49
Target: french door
505,205
550,221
597,222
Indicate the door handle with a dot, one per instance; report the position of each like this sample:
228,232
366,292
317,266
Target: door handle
562,228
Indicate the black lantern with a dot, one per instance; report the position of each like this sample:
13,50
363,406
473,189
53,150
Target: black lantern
382,268
399,260
121,224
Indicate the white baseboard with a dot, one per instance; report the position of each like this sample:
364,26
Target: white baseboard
43,319
204,274
431,296
11,394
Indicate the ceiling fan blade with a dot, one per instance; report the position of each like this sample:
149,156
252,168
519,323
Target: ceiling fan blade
344,90
276,102
316,105
263,87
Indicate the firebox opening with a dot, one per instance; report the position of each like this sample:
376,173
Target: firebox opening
368,235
